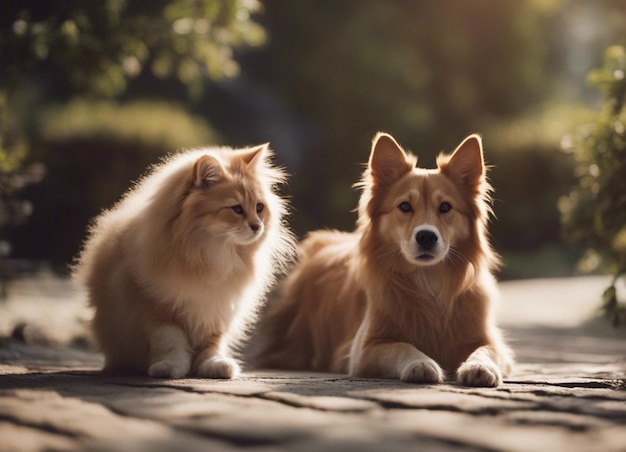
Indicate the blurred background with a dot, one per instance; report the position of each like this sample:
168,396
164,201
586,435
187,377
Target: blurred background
91,93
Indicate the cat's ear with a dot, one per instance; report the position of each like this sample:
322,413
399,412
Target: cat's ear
388,161
253,156
207,171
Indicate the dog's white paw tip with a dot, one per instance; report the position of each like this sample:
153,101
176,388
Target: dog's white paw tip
476,374
219,367
422,372
168,369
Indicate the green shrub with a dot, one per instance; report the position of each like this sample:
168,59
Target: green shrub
529,174
92,152
594,213
154,126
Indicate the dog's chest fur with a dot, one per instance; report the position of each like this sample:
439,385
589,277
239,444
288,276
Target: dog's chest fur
445,325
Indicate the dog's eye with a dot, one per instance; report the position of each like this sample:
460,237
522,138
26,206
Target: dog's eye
405,207
259,208
237,209
445,207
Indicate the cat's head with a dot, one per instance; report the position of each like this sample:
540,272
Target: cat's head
231,196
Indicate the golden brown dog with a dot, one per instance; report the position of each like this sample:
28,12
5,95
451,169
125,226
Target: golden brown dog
407,296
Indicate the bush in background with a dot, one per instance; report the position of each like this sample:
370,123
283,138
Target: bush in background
92,151
529,174
594,213
56,50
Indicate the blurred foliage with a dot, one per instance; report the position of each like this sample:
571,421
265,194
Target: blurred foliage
324,80
96,47
529,174
430,73
549,261
594,213
12,141
157,126
14,176
91,151
54,50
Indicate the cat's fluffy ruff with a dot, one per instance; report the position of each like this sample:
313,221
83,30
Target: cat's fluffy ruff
175,275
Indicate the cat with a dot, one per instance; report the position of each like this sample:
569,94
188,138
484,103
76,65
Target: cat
177,270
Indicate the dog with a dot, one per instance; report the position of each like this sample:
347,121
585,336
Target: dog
410,294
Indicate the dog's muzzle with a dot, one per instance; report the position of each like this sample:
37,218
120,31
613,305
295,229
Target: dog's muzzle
426,240
425,247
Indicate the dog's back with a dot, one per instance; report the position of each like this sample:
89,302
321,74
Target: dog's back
320,309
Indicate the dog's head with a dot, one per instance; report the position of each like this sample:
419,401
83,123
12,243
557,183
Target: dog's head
426,215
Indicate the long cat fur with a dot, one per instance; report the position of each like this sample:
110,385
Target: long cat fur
176,276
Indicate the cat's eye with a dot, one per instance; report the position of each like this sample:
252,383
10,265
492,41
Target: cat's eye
445,207
405,207
259,207
237,209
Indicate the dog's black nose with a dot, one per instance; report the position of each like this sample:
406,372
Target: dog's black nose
426,239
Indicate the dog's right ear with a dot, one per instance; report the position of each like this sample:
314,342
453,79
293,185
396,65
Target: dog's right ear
388,161
207,171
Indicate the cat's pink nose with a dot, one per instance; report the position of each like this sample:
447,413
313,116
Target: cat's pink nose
255,227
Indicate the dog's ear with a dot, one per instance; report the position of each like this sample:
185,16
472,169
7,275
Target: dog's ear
207,171
388,162
465,166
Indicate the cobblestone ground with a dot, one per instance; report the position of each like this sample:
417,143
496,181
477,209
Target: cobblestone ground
568,391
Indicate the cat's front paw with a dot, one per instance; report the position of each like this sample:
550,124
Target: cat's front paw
218,367
478,373
427,371
169,369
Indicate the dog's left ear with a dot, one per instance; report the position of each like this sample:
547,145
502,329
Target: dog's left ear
465,166
388,162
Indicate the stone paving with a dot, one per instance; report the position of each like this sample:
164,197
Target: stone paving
568,391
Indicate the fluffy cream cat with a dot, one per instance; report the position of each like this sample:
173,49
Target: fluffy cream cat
177,269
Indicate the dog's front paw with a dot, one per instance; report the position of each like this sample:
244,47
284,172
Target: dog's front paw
169,369
477,373
218,367
422,372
